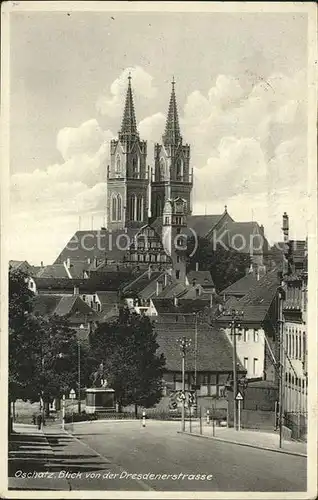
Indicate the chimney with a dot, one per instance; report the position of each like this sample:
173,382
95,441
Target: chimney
197,266
68,263
95,262
257,273
76,290
211,300
261,229
175,301
285,227
42,263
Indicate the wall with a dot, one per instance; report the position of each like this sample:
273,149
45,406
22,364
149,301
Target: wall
248,347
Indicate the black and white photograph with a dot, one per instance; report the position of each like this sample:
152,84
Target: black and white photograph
159,250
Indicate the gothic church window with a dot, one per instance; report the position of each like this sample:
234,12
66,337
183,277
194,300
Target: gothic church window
119,207
118,166
131,206
179,169
162,169
114,208
139,208
158,205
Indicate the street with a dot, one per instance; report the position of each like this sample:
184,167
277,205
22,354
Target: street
105,455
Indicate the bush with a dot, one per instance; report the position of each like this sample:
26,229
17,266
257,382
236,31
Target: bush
80,417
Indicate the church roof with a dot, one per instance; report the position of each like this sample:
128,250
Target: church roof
98,244
203,224
53,271
172,135
246,237
129,125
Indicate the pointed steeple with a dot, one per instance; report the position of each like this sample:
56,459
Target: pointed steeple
172,135
128,126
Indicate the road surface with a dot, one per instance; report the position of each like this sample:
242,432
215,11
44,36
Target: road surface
193,464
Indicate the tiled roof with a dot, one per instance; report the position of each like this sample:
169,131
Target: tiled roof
65,305
141,282
53,271
214,351
173,290
16,264
242,286
77,269
256,303
187,306
202,278
97,243
107,281
45,305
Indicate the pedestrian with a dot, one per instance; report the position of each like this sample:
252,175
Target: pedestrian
39,421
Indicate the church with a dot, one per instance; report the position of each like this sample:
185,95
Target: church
149,208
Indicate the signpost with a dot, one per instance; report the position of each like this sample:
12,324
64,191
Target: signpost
239,398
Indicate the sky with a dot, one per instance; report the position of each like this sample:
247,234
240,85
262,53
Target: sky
241,85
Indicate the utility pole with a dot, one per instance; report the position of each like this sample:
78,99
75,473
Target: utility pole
234,324
184,344
281,296
79,374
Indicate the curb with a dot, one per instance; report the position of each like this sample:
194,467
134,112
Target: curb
248,445
103,421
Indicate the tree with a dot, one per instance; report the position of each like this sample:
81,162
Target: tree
127,348
43,352
225,265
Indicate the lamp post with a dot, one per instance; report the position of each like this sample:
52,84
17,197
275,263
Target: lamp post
82,327
234,324
184,344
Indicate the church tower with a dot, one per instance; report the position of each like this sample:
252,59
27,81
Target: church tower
174,239
171,177
127,174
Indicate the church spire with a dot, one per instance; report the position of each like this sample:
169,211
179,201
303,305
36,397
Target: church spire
172,135
128,125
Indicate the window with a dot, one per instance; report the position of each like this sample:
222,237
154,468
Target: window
178,230
119,208
139,208
162,169
177,274
131,206
166,220
256,337
118,166
245,336
293,345
114,208
255,366
246,363
158,205
179,173
197,292
178,259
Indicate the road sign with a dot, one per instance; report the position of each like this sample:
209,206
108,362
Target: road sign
239,396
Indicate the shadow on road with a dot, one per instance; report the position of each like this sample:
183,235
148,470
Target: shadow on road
36,453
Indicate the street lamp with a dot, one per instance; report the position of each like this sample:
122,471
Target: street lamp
82,327
234,324
184,345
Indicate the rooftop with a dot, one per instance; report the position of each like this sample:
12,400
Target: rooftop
214,351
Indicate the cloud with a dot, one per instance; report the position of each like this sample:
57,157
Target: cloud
111,104
248,148
152,127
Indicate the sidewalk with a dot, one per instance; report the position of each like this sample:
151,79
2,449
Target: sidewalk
53,459
29,461
249,437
